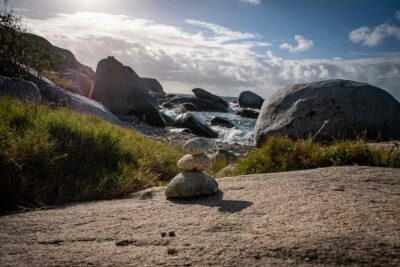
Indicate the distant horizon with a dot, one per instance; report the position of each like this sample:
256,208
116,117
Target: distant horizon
229,46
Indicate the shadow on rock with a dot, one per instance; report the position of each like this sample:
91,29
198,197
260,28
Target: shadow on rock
215,200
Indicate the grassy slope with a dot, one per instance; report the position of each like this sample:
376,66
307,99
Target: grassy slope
48,156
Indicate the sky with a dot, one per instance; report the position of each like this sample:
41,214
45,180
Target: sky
227,46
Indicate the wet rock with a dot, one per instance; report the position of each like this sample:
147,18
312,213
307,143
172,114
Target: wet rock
248,113
199,128
222,122
201,104
203,94
190,106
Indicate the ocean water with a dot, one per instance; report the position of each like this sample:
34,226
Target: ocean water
243,131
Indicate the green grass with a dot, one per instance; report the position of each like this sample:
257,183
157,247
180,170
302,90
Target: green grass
52,156
280,154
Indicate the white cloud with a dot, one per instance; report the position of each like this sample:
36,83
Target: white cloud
302,44
397,15
375,36
223,34
252,2
220,59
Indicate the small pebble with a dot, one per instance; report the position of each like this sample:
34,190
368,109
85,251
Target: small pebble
171,234
171,251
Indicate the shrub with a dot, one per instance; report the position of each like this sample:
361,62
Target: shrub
280,154
48,157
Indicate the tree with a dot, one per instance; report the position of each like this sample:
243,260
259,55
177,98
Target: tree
21,55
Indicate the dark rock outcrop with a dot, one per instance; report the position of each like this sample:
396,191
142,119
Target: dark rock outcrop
155,87
190,107
222,122
203,94
123,92
201,104
248,99
248,113
167,105
326,110
19,89
199,128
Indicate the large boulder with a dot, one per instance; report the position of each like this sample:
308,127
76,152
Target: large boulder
199,128
249,99
201,104
19,89
76,102
203,94
154,87
327,110
82,84
124,92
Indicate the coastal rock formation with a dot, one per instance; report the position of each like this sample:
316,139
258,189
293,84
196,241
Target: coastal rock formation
222,122
19,89
123,92
199,128
201,104
192,181
155,87
203,94
248,99
327,110
248,113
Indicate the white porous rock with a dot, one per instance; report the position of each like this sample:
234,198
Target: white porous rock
191,184
196,162
196,146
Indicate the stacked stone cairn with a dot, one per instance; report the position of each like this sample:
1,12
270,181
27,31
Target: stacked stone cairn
192,181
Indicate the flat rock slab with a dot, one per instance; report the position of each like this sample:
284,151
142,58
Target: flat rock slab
331,216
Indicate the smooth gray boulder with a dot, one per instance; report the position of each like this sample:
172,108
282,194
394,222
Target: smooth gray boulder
201,104
198,128
191,184
120,89
76,102
19,89
203,94
248,99
330,110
